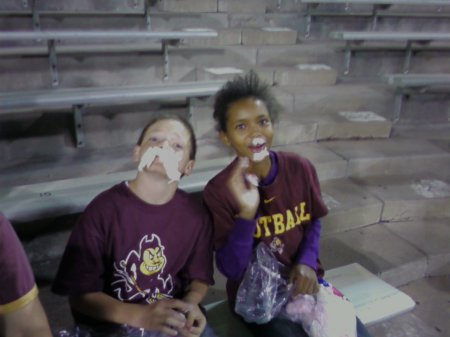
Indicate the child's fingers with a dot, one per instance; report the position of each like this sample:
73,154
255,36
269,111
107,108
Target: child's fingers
238,174
180,305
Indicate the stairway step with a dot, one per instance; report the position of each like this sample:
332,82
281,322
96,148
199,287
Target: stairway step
296,128
375,247
269,36
228,73
300,74
410,196
293,130
430,236
191,6
328,165
390,156
226,37
350,206
305,74
341,97
352,124
239,6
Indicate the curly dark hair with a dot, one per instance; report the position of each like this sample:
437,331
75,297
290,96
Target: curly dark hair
240,87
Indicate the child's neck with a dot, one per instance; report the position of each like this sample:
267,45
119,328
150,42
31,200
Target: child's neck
153,189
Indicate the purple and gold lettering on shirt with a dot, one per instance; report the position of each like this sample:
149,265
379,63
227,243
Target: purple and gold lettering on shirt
141,273
279,223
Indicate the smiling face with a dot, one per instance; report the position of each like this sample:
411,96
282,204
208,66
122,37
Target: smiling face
249,129
169,140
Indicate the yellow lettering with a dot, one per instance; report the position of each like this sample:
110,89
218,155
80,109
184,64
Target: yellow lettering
257,234
278,223
303,216
265,220
298,220
289,220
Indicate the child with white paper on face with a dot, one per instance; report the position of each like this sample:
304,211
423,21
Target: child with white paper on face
141,254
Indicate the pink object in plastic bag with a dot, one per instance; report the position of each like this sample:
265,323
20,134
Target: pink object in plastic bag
325,314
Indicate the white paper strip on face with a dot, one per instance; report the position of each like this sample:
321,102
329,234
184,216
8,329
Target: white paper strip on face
259,156
168,157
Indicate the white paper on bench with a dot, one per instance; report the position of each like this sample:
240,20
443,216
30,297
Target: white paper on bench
373,299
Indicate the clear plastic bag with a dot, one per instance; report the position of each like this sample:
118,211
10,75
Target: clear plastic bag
263,291
325,314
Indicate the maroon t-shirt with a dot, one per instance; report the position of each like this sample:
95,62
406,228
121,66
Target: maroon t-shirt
137,252
287,206
18,286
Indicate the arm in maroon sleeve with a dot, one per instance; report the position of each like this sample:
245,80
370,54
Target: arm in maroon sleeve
309,249
234,256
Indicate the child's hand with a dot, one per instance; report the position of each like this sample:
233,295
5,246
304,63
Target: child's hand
304,280
165,316
195,323
245,192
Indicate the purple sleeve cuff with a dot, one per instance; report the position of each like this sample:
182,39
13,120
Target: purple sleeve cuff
235,255
309,249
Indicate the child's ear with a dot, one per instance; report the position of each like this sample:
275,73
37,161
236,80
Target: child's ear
224,138
189,167
136,153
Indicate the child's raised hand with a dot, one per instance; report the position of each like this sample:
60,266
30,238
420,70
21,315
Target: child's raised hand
304,280
243,186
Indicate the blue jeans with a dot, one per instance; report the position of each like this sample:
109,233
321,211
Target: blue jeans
279,327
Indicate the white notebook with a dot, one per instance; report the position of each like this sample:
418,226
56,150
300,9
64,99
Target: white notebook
374,299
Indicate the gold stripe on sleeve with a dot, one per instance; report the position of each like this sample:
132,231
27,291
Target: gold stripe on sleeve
20,302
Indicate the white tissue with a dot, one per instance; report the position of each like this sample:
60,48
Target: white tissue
168,157
259,156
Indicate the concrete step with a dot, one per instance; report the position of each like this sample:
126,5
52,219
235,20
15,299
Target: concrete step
269,36
390,156
349,205
430,315
328,165
322,25
398,252
345,124
410,196
131,65
297,75
358,202
194,6
342,97
294,128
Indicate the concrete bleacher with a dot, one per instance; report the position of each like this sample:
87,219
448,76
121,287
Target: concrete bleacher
406,85
383,178
410,38
375,9
52,38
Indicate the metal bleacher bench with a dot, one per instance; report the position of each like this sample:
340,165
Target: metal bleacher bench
49,199
77,99
414,40
116,40
70,196
378,8
35,10
407,84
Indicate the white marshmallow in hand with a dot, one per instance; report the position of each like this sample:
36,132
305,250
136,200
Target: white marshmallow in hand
169,158
250,194
252,179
